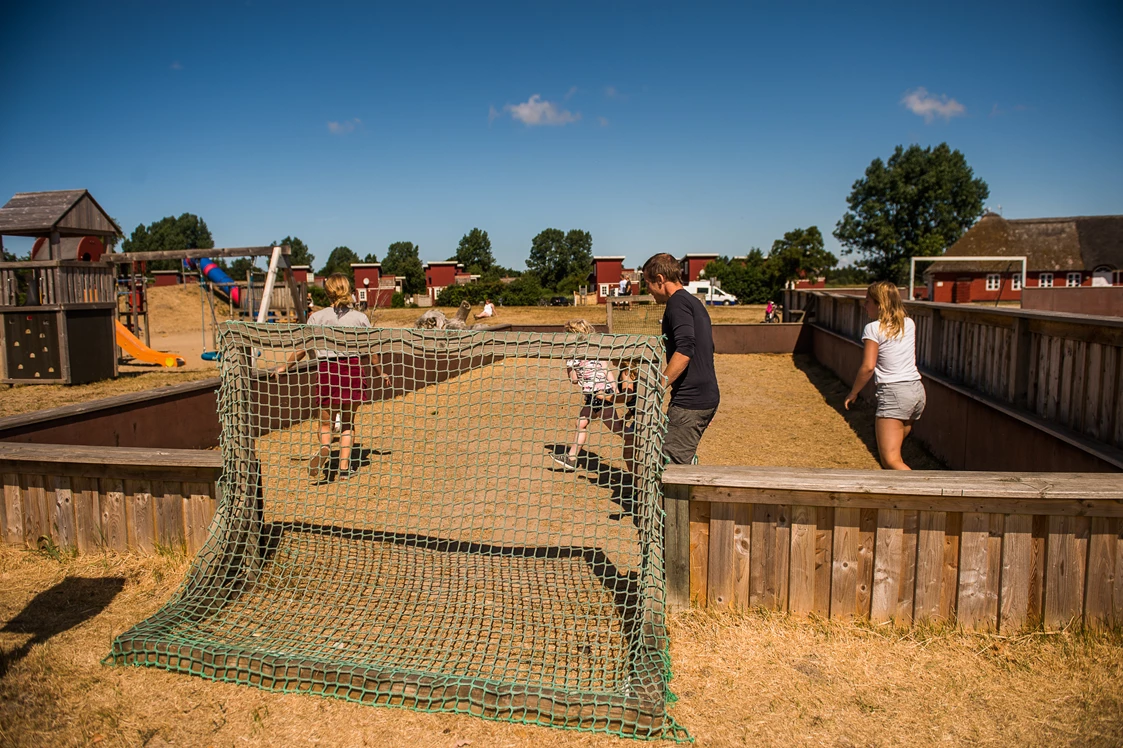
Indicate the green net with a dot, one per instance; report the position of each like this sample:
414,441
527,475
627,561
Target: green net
443,551
642,317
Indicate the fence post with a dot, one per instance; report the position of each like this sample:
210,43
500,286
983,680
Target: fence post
1019,363
676,545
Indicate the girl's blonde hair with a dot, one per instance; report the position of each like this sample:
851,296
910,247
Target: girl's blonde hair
890,310
579,325
338,287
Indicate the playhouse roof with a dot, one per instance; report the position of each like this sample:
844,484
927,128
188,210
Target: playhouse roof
1049,244
69,212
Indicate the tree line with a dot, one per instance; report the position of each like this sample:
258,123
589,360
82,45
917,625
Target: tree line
917,203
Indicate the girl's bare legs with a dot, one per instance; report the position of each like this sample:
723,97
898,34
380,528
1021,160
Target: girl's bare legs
582,431
324,451
891,434
346,438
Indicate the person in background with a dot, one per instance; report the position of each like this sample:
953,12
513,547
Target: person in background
487,311
889,356
690,359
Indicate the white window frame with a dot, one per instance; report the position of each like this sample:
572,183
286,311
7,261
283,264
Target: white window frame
1044,280
605,289
1070,277
994,281
1016,282
362,294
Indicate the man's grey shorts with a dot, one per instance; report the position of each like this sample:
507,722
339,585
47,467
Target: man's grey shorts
684,431
903,401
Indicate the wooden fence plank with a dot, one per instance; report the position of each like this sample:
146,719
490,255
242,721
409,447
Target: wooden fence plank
719,592
676,503
906,590
824,539
784,549
742,554
36,520
1094,386
1055,364
762,565
12,530
167,497
699,551
114,520
929,565
1017,564
60,508
1117,592
1035,613
1100,578
139,513
994,568
1111,390
1079,373
867,533
1066,553
844,565
801,580
198,518
887,565
973,567
87,514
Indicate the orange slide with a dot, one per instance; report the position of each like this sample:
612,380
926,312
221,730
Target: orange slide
131,345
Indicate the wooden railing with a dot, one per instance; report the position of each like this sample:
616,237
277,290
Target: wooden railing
1065,368
52,282
121,499
991,551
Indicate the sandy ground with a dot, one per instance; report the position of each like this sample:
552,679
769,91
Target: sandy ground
749,679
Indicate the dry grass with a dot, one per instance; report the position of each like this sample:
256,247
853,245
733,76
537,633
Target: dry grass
28,398
748,678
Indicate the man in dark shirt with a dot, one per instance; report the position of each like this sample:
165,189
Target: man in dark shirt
690,358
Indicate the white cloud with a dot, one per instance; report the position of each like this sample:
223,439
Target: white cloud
534,111
492,114
920,102
570,93
176,65
344,127
602,121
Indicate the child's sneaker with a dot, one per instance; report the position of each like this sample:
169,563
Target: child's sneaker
567,461
318,462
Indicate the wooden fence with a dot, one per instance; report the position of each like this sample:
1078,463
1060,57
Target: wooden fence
52,282
992,551
1064,368
122,499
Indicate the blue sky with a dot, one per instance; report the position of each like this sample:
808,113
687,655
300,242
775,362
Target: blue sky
657,127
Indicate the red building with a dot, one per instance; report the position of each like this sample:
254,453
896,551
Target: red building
440,275
1060,252
303,274
693,264
372,288
607,274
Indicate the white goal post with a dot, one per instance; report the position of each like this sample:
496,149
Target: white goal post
972,258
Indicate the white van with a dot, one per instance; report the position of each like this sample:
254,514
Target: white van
709,294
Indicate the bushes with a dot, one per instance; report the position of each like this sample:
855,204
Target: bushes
319,295
398,300
523,291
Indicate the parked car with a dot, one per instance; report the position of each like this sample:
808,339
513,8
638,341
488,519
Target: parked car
709,294
560,301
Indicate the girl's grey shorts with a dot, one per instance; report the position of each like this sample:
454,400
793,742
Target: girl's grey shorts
903,401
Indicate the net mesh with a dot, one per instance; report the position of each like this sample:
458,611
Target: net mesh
424,539
635,317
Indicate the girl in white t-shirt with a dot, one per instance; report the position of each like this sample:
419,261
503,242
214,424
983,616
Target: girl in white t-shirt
890,358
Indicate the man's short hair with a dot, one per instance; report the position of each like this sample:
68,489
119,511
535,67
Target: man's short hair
665,265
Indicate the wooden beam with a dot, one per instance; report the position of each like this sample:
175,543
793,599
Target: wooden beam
193,254
12,452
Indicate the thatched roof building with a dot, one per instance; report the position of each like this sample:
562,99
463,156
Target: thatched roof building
1084,243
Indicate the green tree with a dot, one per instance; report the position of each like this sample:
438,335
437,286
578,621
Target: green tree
186,232
339,261
371,257
556,257
800,254
474,252
299,254
241,266
917,204
403,259
748,278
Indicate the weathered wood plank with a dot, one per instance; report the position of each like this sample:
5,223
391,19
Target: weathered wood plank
824,539
742,554
929,565
198,514
1066,553
906,590
87,514
801,580
1100,577
36,519
973,567
844,564
887,565
1068,374
676,503
762,564
140,512
1036,611
994,568
720,583
60,509
1117,591
1079,377
867,533
1092,403
1056,362
167,497
1017,565
1112,390
783,554
12,528
699,552
114,517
